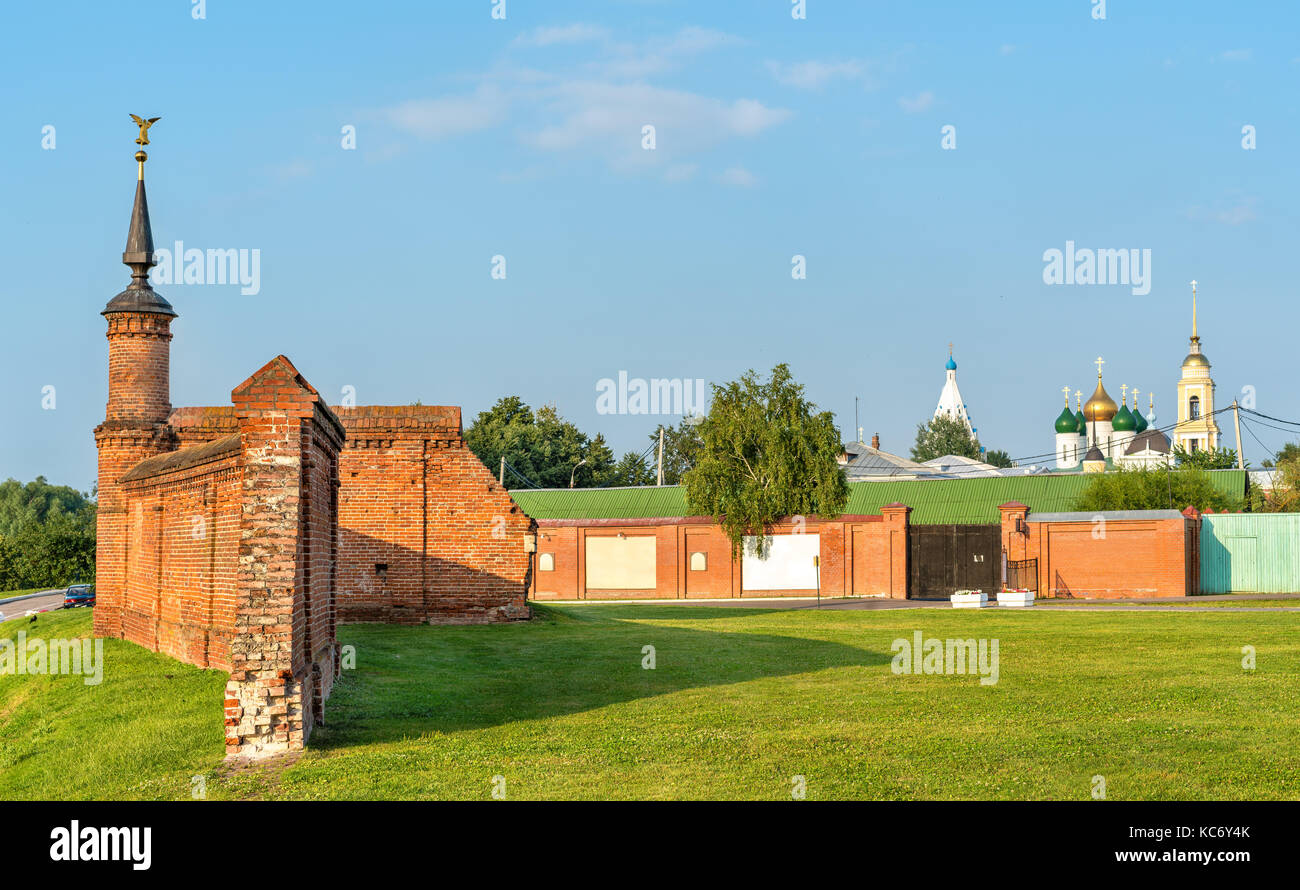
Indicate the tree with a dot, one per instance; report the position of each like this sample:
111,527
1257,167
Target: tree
765,453
38,502
942,436
1218,459
632,469
998,458
681,448
1290,451
542,447
1148,488
1285,496
47,535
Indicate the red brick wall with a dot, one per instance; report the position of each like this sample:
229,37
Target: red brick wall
426,534
182,545
859,556
139,358
1122,557
134,428
196,426
284,657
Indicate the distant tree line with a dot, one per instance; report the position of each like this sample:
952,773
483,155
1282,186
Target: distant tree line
47,535
542,448
762,453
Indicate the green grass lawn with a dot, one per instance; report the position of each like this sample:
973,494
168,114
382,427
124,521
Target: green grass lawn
740,702
1192,602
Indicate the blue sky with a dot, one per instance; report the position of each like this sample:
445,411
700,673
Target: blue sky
522,137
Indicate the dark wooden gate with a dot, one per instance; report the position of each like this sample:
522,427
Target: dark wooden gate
947,558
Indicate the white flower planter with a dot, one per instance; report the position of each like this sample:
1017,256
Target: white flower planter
1015,598
969,599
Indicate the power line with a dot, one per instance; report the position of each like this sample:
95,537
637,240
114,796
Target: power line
1267,417
520,476
1271,453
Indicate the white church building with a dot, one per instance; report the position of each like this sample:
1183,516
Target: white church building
950,400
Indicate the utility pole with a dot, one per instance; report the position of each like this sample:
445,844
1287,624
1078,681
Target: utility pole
659,478
1236,421
502,477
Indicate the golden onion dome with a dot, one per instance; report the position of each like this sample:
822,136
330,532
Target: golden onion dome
1196,360
1100,407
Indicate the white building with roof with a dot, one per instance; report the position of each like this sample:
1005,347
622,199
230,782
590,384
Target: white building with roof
950,400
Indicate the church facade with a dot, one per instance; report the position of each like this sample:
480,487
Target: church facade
1101,435
951,404
1196,430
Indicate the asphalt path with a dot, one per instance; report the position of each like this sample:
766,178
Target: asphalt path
46,599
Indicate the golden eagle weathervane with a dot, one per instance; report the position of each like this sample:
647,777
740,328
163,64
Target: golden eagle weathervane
144,126
143,140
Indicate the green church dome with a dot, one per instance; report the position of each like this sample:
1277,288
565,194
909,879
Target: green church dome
1123,421
1083,424
1067,422
1139,422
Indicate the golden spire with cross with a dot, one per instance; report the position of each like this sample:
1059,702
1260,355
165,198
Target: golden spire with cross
1078,400
1123,394
1099,362
1195,336
1066,390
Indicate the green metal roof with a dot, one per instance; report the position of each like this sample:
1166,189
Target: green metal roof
933,501
649,502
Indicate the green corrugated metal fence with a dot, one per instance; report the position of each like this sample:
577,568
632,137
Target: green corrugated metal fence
1250,553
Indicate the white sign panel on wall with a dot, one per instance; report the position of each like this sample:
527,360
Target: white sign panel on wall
621,563
789,564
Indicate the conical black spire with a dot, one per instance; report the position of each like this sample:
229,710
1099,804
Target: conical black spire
139,295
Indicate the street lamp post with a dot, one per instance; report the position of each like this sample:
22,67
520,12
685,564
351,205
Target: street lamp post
575,470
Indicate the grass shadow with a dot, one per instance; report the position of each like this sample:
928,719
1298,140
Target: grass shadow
410,681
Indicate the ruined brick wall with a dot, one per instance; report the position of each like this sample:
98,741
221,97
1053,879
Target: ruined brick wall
284,657
182,543
426,534
198,426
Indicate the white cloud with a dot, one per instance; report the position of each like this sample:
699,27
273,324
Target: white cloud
597,107
1235,55
450,115
681,172
658,54
1007,49
295,169
607,119
1237,212
813,74
562,34
918,103
738,177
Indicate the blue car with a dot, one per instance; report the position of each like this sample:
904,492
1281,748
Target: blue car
79,595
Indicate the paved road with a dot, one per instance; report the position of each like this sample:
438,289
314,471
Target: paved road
45,600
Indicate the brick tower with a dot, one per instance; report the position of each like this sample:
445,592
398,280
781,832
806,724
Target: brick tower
139,402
